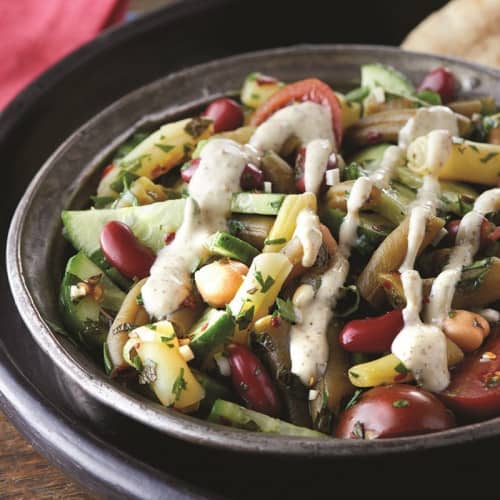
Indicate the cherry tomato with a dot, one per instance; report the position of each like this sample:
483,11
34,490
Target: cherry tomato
440,80
225,113
188,171
311,89
487,234
124,251
371,334
251,381
474,390
251,177
392,411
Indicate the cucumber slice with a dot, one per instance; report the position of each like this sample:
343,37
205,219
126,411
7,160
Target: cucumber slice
213,329
84,317
257,203
387,77
149,223
224,412
373,229
227,245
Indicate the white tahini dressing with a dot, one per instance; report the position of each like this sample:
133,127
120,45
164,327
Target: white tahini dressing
309,234
210,190
422,347
466,246
426,120
308,342
311,123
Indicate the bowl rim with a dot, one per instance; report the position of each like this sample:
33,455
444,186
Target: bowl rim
173,423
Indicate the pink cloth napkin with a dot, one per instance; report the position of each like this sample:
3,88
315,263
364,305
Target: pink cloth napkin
35,34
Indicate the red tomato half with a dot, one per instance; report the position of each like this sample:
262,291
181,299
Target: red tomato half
474,390
311,89
393,411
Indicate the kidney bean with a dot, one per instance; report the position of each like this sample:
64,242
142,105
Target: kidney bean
371,334
251,381
440,80
225,113
124,251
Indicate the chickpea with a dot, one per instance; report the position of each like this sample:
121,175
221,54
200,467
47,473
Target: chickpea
467,329
219,281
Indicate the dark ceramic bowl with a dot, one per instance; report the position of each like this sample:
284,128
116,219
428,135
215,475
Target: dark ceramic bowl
36,251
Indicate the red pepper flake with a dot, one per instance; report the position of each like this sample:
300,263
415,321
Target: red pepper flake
190,302
204,327
399,377
169,237
107,170
426,300
276,321
387,284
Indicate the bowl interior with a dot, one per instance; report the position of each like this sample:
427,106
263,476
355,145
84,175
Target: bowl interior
37,252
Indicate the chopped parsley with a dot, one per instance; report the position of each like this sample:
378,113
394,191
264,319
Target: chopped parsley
265,284
452,314
401,403
244,318
139,300
401,368
286,310
235,227
197,126
276,203
354,399
136,361
277,241
102,201
168,340
166,148
151,326
180,385
488,157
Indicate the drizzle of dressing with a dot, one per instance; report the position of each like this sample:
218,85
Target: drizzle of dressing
308,343
309,234
311,123
422,347
466,246
210,189
426,120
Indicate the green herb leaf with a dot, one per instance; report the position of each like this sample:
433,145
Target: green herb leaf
276,203
286,310
353,374
401,403
265,284
351,172
151,326
166,148
488,157
180,385
244,318
197,126
235,227
136,361
401,368
277,241
429,97
452,314
354,399
139,300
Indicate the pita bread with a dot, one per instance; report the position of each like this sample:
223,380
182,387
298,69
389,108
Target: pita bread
469,29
